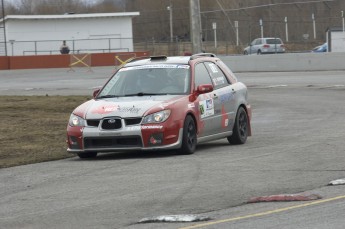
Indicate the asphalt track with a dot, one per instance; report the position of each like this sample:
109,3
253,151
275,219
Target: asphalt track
297,146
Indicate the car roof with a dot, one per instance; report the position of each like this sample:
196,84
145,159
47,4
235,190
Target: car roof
148,60
271,38
159,60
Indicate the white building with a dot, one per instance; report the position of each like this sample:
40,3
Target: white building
84,33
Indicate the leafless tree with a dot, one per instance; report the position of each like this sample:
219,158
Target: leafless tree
153,23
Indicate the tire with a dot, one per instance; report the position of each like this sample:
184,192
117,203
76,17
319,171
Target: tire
240,130
87,155
245,53
259,52
189,136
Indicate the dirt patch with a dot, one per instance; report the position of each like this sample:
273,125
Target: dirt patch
33,128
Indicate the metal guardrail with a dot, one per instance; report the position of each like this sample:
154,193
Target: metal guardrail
53,52
49,47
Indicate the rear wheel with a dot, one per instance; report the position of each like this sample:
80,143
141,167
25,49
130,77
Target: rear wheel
245,53
240,131
87,155
259,52
189,136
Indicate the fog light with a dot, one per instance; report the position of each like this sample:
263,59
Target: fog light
156,139
73,142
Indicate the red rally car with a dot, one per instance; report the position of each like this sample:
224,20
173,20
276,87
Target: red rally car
162,103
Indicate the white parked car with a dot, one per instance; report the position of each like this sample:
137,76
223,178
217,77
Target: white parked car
269,45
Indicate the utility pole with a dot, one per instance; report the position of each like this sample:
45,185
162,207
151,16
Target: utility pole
195,25
4,25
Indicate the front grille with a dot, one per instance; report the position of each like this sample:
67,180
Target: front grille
113,142
111,123
132,121
91,122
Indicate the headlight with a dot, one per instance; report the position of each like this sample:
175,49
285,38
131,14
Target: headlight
157,117
76,121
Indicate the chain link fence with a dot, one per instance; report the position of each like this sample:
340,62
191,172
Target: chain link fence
50,47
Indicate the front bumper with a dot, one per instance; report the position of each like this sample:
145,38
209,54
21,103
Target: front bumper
140,137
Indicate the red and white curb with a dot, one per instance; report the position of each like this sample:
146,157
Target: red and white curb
174,219
285,197
337,182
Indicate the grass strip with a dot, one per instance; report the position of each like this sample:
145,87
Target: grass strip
33,128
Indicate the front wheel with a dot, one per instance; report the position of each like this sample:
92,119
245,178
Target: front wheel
87,155
240,130
189,136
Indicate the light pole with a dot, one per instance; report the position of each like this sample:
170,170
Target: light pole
171,22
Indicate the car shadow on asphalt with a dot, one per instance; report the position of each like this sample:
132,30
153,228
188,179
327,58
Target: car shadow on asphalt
124,155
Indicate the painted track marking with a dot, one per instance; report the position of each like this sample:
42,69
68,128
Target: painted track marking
264,213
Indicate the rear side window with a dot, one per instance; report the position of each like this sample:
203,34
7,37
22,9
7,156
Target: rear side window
273,41
218,78
226,68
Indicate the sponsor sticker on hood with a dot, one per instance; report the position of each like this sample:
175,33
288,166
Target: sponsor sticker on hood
106,109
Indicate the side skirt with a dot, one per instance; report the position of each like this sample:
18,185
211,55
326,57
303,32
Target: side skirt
214,137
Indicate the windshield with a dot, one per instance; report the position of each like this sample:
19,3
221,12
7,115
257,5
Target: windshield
148,80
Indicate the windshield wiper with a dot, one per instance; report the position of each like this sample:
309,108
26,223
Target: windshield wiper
107,96
144,93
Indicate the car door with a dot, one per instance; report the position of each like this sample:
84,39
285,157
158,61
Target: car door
206,102
224,99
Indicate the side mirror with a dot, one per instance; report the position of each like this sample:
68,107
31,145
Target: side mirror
95,92
204,88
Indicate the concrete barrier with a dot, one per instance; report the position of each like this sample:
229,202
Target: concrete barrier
286,62
252,63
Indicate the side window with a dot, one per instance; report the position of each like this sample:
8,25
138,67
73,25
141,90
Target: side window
218,78
258,42
226,68
201,75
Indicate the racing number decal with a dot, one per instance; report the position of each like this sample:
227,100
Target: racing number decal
206,108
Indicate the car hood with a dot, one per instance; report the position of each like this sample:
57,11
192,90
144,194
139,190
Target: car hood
123,106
